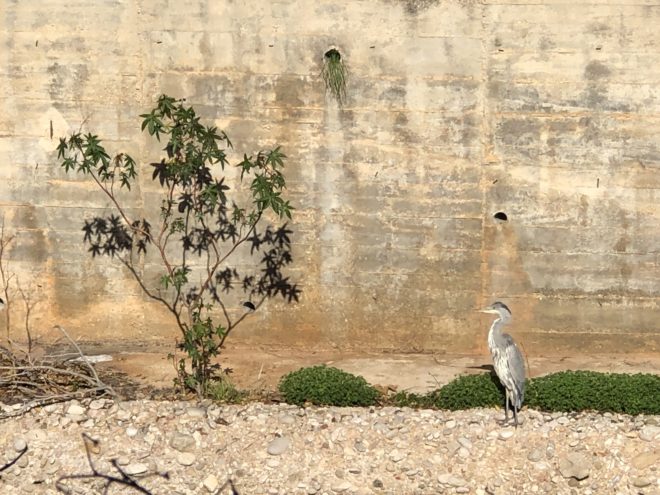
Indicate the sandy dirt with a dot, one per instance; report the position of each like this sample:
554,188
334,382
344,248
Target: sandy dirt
261,367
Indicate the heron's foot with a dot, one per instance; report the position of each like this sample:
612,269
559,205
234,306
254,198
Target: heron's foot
504,421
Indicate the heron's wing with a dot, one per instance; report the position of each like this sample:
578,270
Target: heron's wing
516,365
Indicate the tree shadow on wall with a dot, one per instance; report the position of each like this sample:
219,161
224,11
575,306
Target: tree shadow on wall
271,248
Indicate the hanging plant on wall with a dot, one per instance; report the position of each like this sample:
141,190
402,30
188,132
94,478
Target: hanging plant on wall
334,74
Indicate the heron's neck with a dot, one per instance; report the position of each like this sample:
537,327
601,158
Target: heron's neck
495,331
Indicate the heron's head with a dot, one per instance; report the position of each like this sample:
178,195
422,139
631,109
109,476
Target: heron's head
498,308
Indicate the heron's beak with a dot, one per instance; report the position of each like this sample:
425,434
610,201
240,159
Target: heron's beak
488,310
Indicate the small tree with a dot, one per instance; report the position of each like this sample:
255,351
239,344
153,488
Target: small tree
197,222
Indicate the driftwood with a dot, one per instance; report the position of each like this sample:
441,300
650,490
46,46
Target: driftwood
35,382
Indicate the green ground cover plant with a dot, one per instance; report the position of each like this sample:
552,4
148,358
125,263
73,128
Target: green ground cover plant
327,386
566,391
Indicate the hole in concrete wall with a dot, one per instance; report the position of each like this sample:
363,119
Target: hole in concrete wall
500,215
333,54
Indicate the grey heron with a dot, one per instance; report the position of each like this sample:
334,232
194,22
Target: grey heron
507,359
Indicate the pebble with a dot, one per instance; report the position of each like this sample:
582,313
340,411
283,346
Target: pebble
186,459
97,404
575,465
20,445
646,459
535,455
287,419
196,412
505,434
182,442
75,410
341,486
649,433
278,446
641,482
397,456
330,450
451,480
136,468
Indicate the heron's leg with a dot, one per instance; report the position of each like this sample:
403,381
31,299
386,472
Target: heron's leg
515,417
506,405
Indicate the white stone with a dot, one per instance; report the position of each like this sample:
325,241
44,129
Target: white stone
278,446
186,459
136,468
75,410
211,483
20,445
451,480
505,434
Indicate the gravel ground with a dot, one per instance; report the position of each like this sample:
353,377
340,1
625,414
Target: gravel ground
283,449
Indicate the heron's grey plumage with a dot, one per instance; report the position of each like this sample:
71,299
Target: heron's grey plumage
507,359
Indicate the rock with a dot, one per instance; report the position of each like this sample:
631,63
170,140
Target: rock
645,459
182,442
649,433
641,482
465,442
450,424
575,465
377,483
313,487
451,480
136,468
20,445
131,431
278,446
397,456
211,483
341,486
535,455
196,412
287,419
97,404
75,410
360,446
505,434
186,459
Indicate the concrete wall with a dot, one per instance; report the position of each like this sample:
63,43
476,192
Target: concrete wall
546,111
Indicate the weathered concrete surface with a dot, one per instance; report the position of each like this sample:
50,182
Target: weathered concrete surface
456,110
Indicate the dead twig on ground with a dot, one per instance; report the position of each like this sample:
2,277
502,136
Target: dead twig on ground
36,383
9,464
